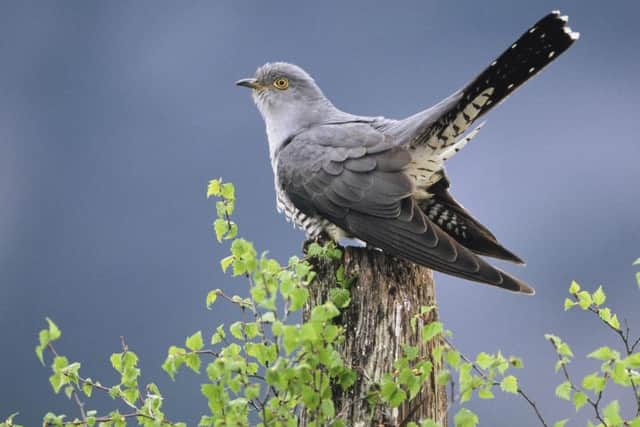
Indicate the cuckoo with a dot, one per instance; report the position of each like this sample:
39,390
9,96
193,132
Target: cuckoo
382,180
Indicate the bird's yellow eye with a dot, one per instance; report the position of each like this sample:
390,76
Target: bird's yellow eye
281,83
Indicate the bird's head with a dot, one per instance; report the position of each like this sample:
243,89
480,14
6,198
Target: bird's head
288,99
282,86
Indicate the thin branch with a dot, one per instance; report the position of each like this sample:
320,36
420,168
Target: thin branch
629,348
594,404
75,392
533,405
107,418
98,386
484,376
80,403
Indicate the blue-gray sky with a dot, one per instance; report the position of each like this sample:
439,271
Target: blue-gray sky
113,116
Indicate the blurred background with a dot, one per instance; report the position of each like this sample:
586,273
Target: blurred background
114,115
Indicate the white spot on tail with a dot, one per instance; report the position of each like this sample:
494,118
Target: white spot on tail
573,34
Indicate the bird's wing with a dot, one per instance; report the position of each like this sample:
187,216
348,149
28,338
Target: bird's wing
350,175
437,128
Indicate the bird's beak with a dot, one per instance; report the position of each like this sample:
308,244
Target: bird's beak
250,83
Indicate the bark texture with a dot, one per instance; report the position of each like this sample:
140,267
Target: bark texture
388,292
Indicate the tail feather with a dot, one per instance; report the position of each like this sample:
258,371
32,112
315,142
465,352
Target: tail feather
534,50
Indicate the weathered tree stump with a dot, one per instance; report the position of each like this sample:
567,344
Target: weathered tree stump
388,292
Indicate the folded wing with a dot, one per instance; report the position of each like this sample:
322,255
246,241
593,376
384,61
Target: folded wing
352,176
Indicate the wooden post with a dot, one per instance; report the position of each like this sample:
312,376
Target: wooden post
387,294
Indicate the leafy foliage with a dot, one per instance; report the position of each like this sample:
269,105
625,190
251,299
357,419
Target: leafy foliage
266,364
263,369
616,366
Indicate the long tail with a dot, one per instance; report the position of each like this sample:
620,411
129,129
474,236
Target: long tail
535,49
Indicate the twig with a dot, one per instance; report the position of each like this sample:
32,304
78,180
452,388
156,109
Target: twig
594,404
98,386
75,392
533,405
107,418
484,376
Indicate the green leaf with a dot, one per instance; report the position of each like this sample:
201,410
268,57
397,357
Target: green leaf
340,297
564,349
226,262
579,399
614,322
194,342
584,299
509,384
594,382
211,297
314,250
116,361
228,191
633,361
252,391
465,418
574,288
485,393
484,360
636,421
327,408
411,352
87,387
444,376
563,391
324,312
290,338
638,278
192,360
39,354
213,189
619,374
561,423
391,393
236,330
603,353
612,414
251,330
268,317
221,226
568,304
452,357
131,395
299,297
218,335
636,262
430,330
54,331
599,296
